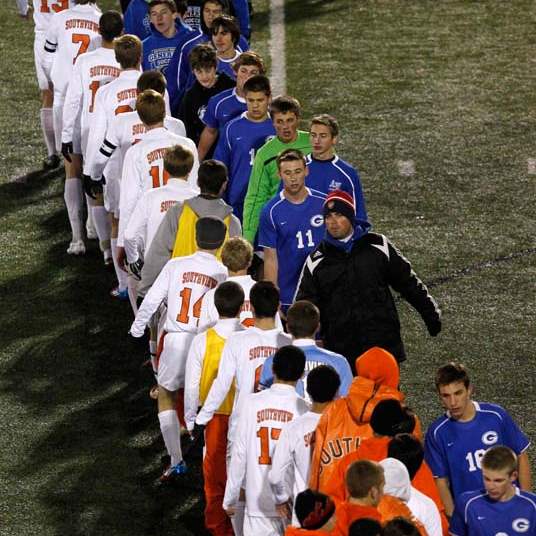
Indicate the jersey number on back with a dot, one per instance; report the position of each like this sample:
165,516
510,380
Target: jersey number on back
84,41
93,88
155,175
183,316
60,5
265,434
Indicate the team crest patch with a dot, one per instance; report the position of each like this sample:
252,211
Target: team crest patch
317,220
490,437
521,524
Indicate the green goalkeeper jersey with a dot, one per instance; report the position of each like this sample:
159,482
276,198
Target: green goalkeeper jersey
264,179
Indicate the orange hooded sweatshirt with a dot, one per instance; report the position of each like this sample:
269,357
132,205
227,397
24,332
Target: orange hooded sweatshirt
348,512
391,507
345,422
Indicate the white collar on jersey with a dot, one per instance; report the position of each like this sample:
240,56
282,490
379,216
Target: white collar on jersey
303,342
282,387
239,99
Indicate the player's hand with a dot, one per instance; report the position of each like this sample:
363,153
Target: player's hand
230,511
198,433
283,510
67,150
121,258
134,269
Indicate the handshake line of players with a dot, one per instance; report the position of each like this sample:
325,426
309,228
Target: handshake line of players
220,334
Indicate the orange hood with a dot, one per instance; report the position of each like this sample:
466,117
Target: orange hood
380,366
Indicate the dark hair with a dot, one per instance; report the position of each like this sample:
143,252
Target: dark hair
303,319
389,417
264,299
172,4
323,382
228,299
152,80
203,57
110,25
285,104
500,458
228,24
365,527
289,363
151,107
400,526
212,175
258,83
328,121
451,373
178,161
361,477
407,449
290,155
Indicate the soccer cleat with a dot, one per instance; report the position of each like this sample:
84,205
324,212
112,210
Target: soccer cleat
51,162
76,248
108,260
119,294
173,472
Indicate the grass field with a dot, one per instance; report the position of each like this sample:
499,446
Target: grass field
448,85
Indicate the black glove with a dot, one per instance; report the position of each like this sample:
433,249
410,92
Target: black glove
67,150
91,187
434,327
134,269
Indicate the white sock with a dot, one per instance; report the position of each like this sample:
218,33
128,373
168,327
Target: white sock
237,521
171,432
90,224
121,275
103,226
73,201
132,285
47,126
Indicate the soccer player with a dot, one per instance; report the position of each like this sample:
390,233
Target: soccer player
43,11
265,180
175,236
499,508
328,172
91,71
153,205
261,419
230,103
179,75
291,226
457,441
201,370
71,32
303,322
364,481
422,508
183,283
225,38
208,82
236,8
143,167
292,455
167,33
242,137
236,256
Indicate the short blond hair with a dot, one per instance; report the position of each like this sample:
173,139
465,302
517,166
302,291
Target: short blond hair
237,254
127,50
151,107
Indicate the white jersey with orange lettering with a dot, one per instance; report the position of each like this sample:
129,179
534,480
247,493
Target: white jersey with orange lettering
262,418
182,283
242,359
292,457
124,130
143,169
91,71
71,32
149,213
114,98
43,10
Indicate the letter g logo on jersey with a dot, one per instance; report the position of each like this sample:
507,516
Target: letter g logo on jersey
521,524
317,220
490,437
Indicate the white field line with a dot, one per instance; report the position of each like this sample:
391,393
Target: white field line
277,47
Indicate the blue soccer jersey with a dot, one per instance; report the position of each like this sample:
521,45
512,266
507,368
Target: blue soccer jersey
476,514
236,148
222,108
336,174
314,357
454,449
293,230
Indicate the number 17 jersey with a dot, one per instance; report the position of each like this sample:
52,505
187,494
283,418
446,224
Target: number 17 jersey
454,449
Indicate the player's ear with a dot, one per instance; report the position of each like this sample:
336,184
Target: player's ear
306,171
514,476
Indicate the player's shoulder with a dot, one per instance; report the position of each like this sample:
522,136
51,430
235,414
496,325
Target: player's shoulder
317,196
528,496
332,356
439,426
470,499
490,408
343,164
276,203
215,99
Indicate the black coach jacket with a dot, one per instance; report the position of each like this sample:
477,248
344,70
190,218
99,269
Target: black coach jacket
357,310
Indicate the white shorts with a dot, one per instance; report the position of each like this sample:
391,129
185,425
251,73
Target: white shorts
172,363
59,101
39,53
267,526
111,196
